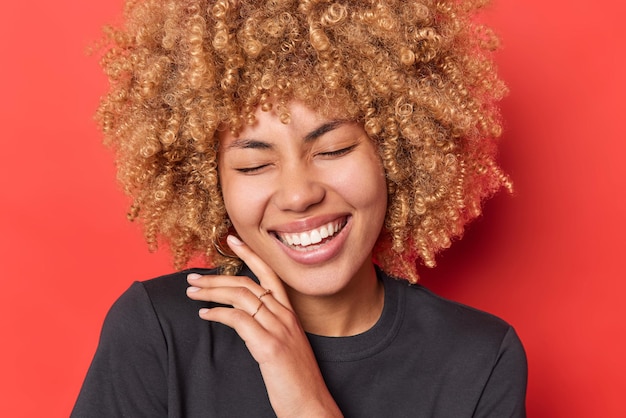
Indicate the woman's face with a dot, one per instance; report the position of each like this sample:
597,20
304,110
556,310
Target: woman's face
309,197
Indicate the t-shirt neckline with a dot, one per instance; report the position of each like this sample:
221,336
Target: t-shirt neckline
372,341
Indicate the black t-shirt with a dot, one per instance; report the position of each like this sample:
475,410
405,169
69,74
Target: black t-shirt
425,357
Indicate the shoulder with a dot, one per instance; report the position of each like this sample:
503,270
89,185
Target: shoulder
170,284
452,313
155,300
439,310
474,354
452,325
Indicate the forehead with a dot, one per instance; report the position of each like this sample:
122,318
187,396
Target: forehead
297,119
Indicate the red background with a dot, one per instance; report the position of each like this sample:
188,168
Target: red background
547,259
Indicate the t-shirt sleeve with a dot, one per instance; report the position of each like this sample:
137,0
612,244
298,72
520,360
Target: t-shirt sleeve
504,394
127,377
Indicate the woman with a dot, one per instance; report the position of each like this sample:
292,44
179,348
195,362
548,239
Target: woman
311,151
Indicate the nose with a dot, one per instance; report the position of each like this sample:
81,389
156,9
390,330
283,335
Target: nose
298,190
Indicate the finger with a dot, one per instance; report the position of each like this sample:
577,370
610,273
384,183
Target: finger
265,343
267,277
240,292
237,297
209,281
199,283
246,312
242,322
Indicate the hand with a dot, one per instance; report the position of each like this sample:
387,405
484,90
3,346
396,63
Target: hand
272,332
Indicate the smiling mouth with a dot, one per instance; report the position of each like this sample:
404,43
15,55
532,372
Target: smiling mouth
313,238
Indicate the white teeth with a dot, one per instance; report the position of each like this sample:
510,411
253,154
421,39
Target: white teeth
305,239
315,236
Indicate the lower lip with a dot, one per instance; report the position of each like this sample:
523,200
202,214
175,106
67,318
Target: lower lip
322,253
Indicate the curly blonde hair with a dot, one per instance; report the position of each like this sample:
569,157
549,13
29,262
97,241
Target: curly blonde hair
417,74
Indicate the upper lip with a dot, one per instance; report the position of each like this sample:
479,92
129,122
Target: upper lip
308,224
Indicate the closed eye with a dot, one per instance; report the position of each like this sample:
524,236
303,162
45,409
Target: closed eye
251,170
339,152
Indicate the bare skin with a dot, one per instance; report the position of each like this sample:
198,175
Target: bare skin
309,199
274,335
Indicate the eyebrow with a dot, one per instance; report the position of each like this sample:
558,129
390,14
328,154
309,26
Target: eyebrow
321,130
247,143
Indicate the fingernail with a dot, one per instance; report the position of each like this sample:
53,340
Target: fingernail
233,240
203,311
194,276
192,289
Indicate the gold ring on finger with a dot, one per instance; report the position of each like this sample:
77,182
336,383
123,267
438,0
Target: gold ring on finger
267,292
257,309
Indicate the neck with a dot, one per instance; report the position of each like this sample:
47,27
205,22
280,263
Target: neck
352,311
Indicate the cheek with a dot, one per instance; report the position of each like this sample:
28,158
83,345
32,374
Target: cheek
364,184
377,198
245,205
